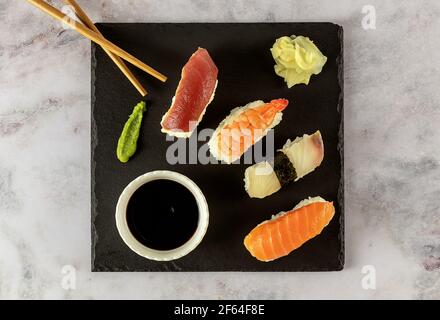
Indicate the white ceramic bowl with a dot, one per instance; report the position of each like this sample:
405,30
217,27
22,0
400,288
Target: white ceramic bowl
138,247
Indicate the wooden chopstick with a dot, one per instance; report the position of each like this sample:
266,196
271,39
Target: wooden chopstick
95,37
118,61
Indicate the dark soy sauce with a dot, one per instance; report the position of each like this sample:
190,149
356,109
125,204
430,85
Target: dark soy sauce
162,214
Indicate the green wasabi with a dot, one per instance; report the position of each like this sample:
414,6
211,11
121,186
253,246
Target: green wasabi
128,140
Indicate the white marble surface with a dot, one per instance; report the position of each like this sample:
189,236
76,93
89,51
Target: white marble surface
392,102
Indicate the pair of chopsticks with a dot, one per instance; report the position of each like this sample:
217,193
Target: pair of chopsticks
89,30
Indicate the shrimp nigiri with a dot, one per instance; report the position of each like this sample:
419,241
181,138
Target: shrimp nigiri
244,127
287,231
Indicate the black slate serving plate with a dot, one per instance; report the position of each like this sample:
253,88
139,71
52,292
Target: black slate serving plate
241,52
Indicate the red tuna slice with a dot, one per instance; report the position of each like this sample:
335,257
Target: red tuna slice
194,93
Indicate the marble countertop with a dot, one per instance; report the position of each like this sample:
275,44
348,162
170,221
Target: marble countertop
392,168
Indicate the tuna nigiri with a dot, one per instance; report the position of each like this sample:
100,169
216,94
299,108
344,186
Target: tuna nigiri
244,127
296,159
287,231
194,93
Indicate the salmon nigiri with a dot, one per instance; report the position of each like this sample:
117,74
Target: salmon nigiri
244,127
288,231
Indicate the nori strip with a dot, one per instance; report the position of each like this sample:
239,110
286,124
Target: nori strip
283,168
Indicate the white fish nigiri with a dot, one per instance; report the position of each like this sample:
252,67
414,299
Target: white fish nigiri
296,159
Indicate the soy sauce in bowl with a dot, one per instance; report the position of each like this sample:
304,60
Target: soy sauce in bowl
162,214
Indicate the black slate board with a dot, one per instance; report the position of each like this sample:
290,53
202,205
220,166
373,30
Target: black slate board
241,52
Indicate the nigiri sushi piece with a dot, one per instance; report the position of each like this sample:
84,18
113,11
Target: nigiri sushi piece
296,159
289,230
194,93
244,127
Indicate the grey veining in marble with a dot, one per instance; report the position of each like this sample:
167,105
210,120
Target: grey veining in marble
392,154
